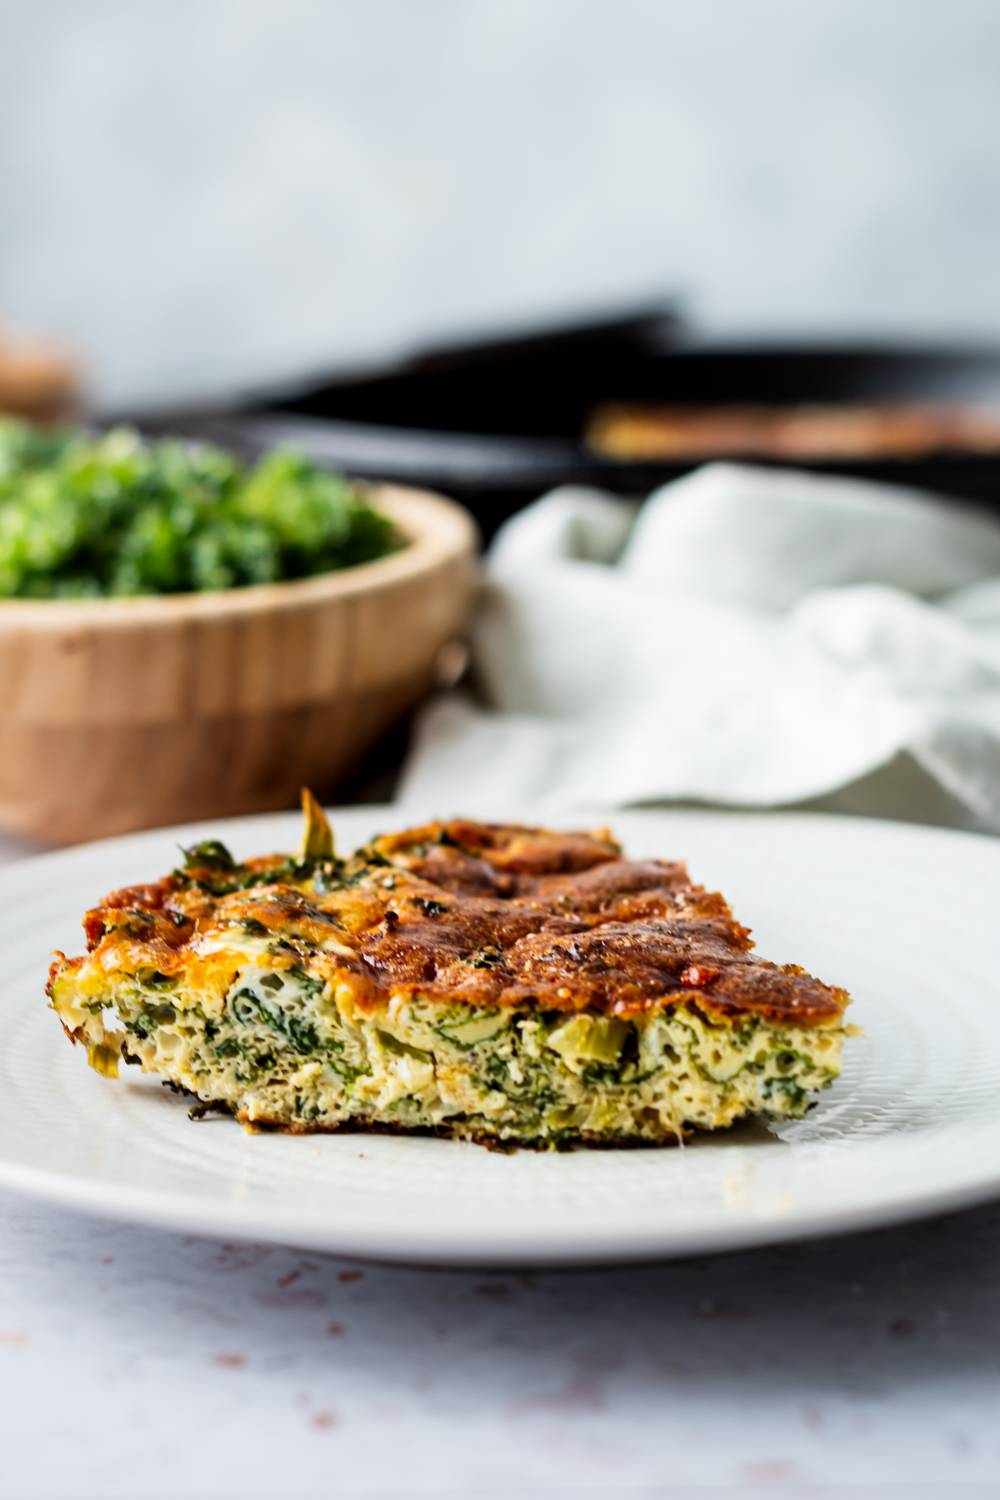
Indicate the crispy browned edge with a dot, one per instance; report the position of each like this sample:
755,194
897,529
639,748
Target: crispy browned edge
783,993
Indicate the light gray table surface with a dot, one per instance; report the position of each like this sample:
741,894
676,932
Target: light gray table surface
139,1363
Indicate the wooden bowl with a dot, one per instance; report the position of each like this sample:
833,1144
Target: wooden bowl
125,713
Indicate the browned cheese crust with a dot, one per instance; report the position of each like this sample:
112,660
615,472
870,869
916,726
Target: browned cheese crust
489,914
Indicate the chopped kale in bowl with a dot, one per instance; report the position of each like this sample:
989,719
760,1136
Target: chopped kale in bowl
87,515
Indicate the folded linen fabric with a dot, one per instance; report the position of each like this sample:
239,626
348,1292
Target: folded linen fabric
747,637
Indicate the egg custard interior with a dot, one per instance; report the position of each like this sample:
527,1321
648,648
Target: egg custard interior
489,981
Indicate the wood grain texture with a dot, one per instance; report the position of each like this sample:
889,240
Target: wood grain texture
125,713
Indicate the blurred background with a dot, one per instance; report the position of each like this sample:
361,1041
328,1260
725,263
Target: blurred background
198,196
761,232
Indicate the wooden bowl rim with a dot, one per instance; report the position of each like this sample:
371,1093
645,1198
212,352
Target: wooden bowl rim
437,529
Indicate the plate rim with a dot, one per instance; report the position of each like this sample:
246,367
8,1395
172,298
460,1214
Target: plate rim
182,1214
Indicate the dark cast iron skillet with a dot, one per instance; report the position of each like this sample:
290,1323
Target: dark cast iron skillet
496,423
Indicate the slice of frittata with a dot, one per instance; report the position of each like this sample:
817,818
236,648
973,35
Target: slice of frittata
488,981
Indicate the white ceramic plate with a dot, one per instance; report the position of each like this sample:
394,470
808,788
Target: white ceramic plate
906,918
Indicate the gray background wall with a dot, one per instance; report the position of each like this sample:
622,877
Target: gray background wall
197,192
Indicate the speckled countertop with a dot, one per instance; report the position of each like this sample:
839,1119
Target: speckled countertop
139,1363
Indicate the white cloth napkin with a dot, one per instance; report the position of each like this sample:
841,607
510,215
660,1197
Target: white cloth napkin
747,637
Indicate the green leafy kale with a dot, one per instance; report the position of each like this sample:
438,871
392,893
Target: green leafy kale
86,516
210,854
